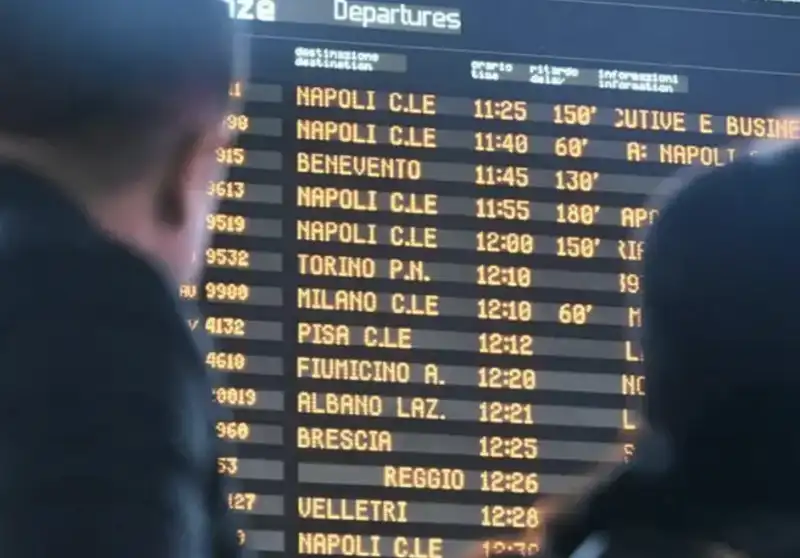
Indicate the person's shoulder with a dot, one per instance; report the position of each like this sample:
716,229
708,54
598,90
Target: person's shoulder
98,333
97,305
651,543
91,281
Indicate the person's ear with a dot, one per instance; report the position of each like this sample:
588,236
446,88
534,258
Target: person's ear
176,180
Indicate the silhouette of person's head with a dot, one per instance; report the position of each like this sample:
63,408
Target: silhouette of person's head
121,103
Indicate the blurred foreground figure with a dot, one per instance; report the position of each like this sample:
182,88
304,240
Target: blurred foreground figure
717,472
110,114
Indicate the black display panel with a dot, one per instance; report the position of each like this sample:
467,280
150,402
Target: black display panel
422,281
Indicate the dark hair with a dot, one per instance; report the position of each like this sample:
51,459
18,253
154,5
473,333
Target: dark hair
107,78
721,321
720,305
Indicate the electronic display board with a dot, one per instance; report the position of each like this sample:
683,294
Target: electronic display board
421,274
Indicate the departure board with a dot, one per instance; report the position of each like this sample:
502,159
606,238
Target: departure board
422,281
